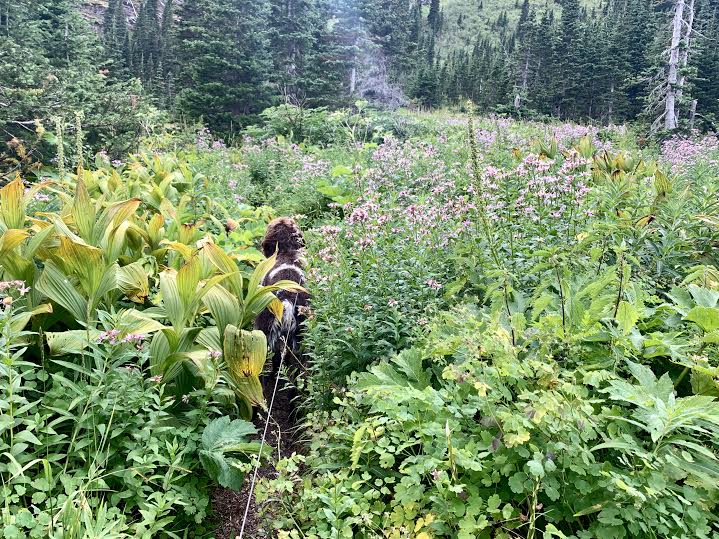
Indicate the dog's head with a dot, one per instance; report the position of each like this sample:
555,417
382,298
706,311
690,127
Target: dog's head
283,235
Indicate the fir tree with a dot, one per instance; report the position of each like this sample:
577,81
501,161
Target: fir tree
116,39
706,85
223,61
433,16
146,42
66,75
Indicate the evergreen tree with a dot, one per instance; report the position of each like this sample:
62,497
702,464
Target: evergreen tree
568,58
223,61
65,75
116,39
388,23
425,89
348,41
706,85
433,16
146,44
637,28
294,26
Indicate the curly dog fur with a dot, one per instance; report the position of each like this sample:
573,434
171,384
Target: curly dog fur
284,238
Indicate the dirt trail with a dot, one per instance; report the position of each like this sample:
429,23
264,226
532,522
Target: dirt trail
228,505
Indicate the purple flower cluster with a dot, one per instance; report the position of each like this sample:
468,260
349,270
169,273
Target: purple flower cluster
310,169
537,188
10,286
113,336
682,152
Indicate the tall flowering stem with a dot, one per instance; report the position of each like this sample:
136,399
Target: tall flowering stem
79,140
59,133
482,213
477,186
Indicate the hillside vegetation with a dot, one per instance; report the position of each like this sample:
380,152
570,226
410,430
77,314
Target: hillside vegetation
224,62
464,21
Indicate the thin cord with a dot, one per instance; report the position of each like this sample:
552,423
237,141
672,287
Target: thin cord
264,436
262,445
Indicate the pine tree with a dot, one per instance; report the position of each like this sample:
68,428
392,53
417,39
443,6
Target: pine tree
65,75
433,16
223,62
146,42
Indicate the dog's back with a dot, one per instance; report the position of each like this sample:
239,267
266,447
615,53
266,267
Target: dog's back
283,336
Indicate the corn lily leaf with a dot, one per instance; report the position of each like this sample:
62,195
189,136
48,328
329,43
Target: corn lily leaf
12,204
132,281
55,285
70,342
20,320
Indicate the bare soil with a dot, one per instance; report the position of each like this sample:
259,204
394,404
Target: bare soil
228,505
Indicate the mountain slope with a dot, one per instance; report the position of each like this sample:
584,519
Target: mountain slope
465,20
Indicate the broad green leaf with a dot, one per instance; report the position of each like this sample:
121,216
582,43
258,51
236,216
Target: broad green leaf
627,316
223,306
70,342
83,261
210,339
259,273
703,296
226,265
132,281
83,212
56,286
187,280
19,321
171,300
707,318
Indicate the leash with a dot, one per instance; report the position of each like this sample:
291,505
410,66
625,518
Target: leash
264,435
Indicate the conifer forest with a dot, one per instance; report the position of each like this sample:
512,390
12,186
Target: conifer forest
372,269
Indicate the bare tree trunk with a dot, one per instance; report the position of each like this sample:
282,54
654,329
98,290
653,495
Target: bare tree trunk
670,113
353,80
686,48
692,114
525,82
353,69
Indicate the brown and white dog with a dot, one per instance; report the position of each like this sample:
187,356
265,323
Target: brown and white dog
285,238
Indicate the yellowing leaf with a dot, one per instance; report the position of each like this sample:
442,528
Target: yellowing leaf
277,308
627,316
83,212
12,204
245,354
516,438
11,239
481,388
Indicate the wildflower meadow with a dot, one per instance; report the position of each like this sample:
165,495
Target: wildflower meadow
512,333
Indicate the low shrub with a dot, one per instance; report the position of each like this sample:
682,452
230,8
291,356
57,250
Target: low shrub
467,435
